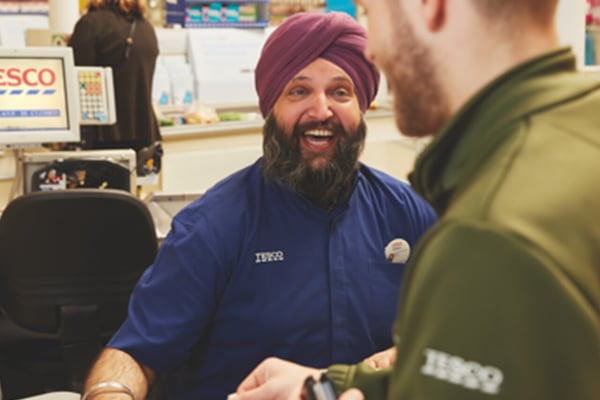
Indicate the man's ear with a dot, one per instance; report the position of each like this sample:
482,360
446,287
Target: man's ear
434,12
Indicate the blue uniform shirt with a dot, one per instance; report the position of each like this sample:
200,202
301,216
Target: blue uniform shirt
252,270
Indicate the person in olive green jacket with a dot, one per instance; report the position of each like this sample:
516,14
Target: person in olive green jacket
502,297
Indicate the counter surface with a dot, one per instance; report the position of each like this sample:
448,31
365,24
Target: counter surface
251,125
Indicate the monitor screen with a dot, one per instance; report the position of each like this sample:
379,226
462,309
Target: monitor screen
39,100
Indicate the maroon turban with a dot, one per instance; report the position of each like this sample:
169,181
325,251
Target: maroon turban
306,36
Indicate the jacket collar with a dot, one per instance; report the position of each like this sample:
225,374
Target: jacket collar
462,146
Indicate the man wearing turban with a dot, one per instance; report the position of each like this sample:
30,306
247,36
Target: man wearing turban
286,257
335,41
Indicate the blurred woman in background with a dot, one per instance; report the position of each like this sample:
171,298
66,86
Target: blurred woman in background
115,33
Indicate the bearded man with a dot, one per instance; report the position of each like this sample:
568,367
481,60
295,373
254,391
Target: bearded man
300,255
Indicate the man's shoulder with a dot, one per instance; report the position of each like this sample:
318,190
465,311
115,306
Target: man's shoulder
227,209
377,174
383,181
386,190
231,193
239,181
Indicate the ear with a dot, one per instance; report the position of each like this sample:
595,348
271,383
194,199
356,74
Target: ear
434,13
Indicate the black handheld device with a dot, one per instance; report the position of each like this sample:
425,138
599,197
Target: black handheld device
318,390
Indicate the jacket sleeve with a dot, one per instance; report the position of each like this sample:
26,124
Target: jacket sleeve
371,381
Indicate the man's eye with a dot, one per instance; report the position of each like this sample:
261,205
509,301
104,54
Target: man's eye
297,91
341,92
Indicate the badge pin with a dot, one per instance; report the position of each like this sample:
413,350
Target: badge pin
397,251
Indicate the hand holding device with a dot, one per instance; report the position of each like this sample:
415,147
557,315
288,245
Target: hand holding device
318,390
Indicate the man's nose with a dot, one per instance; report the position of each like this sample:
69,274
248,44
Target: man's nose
320,107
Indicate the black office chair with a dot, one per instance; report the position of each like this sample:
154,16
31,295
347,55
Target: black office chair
69,260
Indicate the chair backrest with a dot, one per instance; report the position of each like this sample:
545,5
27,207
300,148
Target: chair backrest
69,260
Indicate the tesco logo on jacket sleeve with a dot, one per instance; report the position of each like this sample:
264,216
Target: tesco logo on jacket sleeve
27,76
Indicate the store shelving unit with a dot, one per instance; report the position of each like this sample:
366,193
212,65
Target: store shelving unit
23,7
227,14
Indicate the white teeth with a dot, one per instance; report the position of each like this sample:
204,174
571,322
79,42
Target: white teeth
319,132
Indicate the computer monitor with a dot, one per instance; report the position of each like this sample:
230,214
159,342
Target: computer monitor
39,98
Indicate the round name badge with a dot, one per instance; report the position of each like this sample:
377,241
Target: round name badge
397,251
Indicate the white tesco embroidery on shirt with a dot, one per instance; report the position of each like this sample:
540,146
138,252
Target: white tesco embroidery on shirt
269,256
458,371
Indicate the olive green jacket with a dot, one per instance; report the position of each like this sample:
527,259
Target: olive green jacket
502,297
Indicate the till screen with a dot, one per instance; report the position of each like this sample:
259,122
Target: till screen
32,94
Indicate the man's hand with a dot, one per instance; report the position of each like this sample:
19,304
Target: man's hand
275,378
383,359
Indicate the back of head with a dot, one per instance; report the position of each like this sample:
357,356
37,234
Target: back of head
137,7
306,36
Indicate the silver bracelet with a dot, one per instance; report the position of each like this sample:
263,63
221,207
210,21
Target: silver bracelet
117,386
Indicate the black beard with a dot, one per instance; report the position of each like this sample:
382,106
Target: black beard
324,187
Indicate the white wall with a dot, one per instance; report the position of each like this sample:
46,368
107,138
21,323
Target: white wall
570,23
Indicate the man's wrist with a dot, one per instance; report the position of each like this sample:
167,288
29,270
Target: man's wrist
108,389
